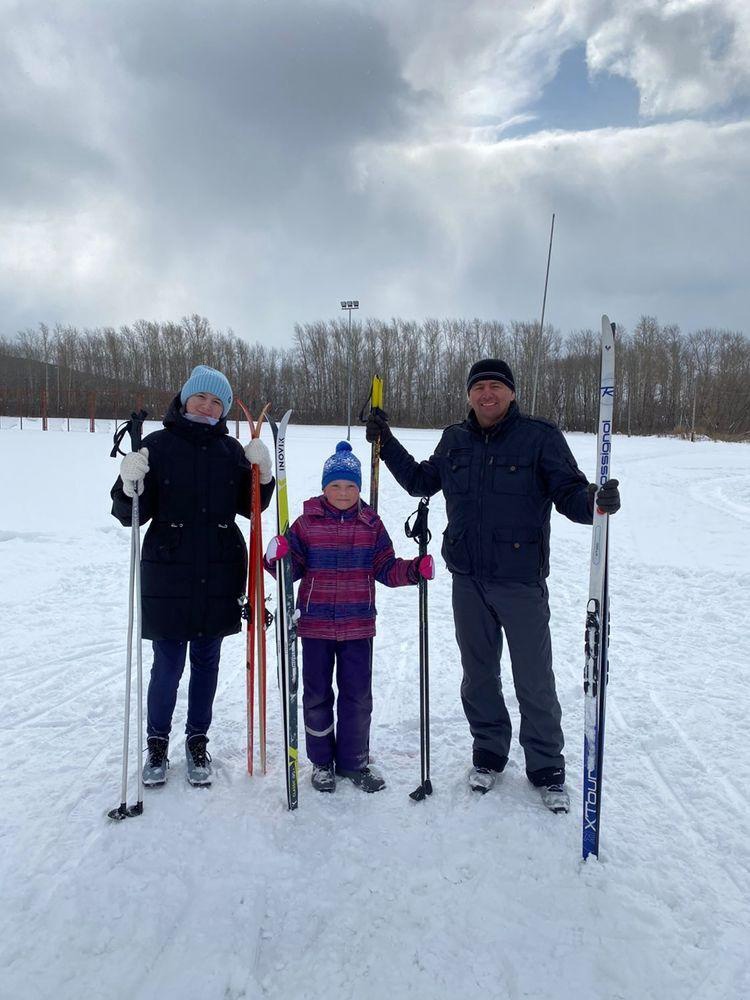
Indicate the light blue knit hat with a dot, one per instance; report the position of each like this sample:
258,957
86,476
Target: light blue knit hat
344,464
205,379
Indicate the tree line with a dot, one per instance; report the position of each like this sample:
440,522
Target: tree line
667,382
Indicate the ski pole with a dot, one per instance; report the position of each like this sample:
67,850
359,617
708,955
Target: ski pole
375,399
133,427
421,534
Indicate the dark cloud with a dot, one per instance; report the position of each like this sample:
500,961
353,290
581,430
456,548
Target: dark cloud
256,162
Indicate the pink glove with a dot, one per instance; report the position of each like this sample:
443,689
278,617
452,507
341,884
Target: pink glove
426,567
278,547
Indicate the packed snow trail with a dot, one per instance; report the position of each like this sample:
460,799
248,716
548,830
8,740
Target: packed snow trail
222,894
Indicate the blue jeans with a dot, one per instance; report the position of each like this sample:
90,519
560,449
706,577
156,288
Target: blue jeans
169,663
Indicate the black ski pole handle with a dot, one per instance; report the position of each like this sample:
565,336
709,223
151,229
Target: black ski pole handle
134,427
417,529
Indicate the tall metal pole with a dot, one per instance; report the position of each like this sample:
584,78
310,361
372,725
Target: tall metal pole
541,325
695,397
349,380
349,304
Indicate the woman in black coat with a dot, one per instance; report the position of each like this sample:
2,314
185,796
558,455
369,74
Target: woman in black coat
192,479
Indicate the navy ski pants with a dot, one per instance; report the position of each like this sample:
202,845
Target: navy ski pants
482,613
349,746
169,663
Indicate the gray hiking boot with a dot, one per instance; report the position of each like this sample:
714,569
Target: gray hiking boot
551,784
323,778
482,779
367,779
555,798
198,760
157,762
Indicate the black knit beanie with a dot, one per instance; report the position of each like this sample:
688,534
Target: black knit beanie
490,370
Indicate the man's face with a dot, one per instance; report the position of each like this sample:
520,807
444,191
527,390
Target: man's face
204,404
341,494
490,401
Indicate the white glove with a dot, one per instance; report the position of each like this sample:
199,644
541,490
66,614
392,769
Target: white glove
257,454
133,469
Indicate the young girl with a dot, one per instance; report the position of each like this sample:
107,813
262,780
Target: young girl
192,479
339,547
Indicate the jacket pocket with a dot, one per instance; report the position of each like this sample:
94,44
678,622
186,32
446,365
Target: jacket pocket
510,475
517,554
162,541
456,475
229,545
456,551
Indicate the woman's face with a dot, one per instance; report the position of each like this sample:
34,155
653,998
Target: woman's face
205,404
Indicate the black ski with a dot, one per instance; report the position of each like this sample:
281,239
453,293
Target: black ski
286,632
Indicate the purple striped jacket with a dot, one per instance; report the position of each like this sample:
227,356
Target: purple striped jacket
339,555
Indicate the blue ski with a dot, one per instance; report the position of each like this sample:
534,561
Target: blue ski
595,674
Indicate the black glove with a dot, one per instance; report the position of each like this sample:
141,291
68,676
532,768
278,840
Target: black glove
607,499
377,426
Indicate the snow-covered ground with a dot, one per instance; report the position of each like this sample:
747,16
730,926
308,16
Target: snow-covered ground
221,893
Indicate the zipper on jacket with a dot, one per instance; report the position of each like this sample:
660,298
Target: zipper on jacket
309,595
480,546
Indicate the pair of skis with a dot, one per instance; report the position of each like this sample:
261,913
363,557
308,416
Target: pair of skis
257,619
596,669
286,622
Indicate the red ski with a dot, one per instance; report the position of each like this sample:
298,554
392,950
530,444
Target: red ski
256,610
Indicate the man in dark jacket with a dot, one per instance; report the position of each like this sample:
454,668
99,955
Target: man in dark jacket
500,472
192,479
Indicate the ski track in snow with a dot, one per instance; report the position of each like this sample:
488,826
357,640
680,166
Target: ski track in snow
221,894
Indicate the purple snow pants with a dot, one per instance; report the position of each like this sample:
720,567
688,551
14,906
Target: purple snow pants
349,746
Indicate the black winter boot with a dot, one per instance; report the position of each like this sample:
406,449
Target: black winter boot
366,779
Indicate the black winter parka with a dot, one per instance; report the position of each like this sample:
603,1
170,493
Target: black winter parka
499,486
194,558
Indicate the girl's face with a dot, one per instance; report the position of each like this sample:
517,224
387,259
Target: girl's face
341,494
204,404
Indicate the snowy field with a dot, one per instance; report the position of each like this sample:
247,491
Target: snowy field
221,894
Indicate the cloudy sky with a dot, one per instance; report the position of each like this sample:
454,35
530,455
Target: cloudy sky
256,162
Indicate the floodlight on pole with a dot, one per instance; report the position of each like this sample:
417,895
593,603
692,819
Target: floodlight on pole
348,305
